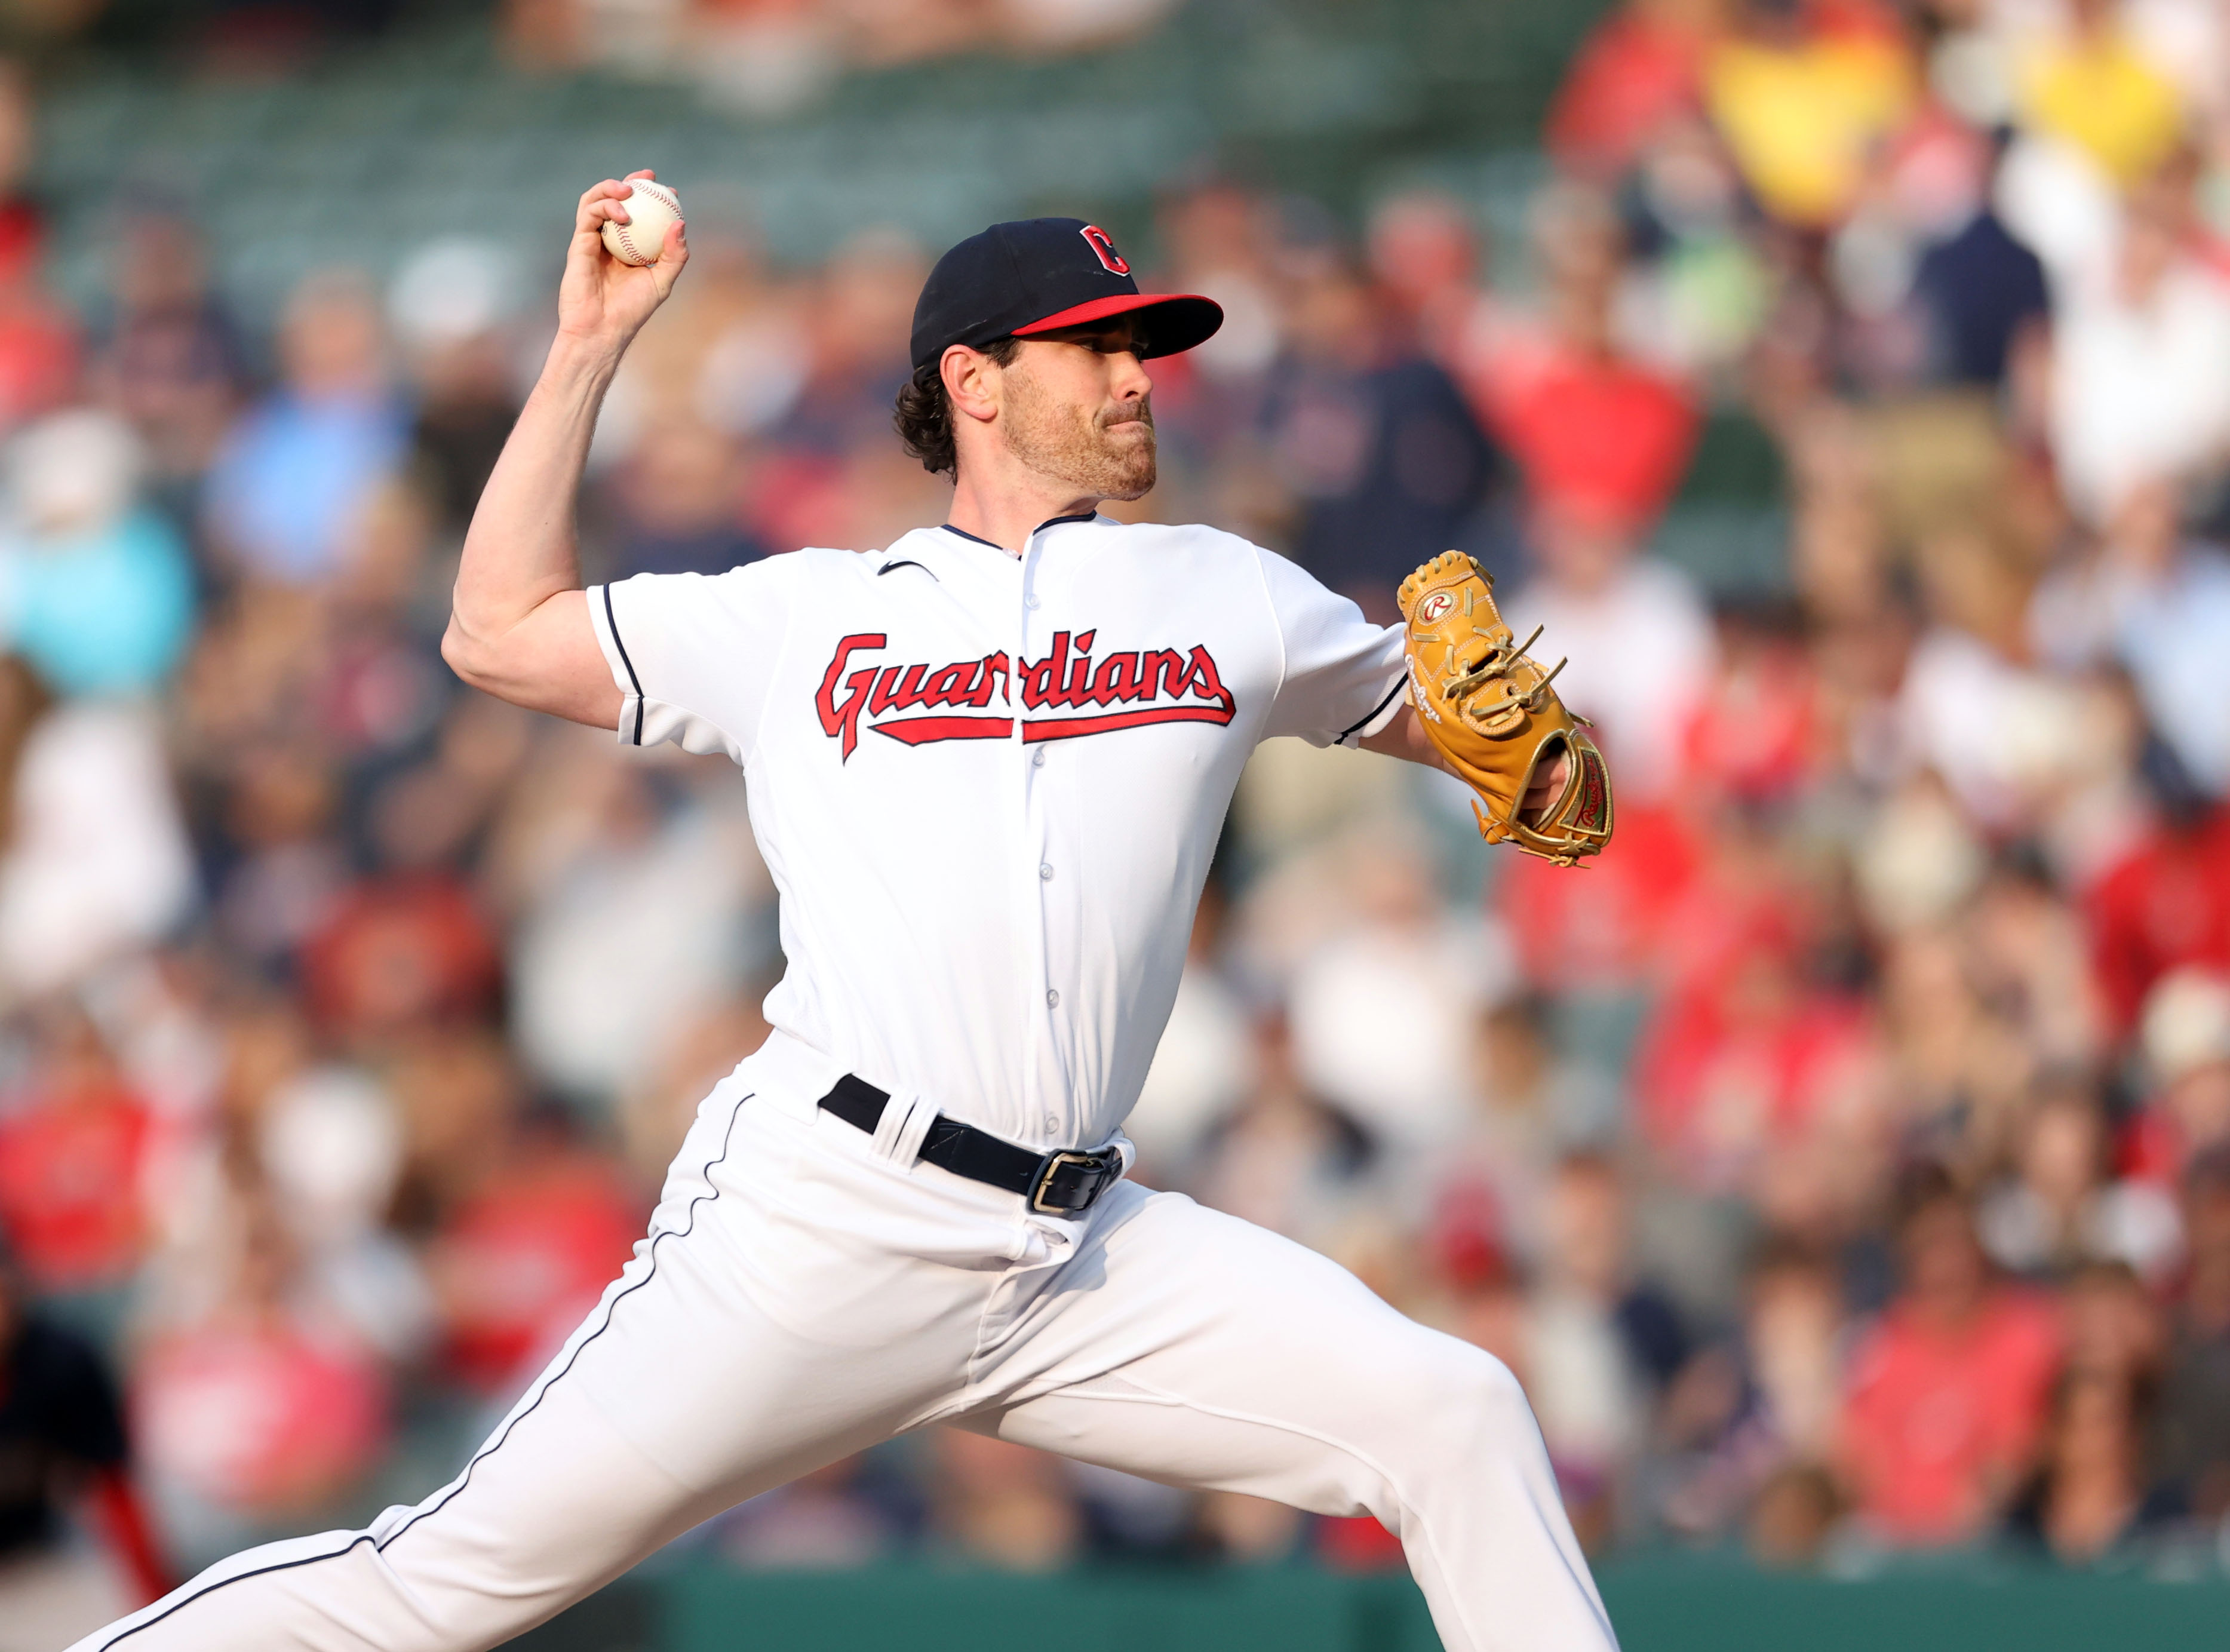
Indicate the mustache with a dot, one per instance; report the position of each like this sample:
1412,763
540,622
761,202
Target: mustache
1142,409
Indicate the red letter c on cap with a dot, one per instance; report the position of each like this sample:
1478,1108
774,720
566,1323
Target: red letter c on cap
1097,239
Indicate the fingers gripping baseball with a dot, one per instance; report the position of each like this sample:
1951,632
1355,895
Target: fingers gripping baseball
604,296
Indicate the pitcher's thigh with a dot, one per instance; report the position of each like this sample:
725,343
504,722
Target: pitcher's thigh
1200,1350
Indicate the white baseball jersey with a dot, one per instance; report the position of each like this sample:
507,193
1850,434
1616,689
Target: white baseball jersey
987,786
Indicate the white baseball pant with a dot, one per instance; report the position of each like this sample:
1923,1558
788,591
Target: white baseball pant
806,1290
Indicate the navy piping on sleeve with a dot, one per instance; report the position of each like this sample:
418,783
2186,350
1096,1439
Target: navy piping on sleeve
490,1449
612,620
1364,721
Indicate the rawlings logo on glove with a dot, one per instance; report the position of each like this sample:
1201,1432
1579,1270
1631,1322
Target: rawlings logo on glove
1490,712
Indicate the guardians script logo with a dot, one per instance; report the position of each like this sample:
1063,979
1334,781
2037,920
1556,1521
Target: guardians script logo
917,704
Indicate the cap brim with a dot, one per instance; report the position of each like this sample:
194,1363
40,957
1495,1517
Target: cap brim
1179,320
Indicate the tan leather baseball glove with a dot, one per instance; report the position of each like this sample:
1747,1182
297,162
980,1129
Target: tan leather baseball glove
1489,711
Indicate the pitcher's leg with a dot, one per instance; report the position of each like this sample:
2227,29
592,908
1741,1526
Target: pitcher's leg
1195,1349
565,1506
682,1392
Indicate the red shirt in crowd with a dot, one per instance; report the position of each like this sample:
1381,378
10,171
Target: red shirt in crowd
400,950
256,1415
1634,73
527,1256
70,1187
2167,904
1596,434
1940,1422
1722,1076
1603,931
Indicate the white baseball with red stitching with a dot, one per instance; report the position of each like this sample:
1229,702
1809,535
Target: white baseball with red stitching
650,208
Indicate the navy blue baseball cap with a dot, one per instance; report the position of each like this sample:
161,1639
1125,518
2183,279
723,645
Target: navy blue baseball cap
1038,274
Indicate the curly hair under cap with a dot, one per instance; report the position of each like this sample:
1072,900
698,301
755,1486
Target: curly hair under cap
923,414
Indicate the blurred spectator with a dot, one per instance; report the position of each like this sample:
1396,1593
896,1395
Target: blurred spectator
1976,707
544,1225
38,335
1804,91
1002,1505
285,491
1949,1392
74,1157
170,361
1285,1158
97,864
2192,1448
1600,439
1982,293
62,1436
840,1516
1530,1109
1599,1344
2165,904
1740,1420
1205,1060
2157,603
681,504
2140,358
95,591
1639,69
1373,439
604,849
2185,1038
2091,83
261,1410
2088,1495
2061,1206
1403,958
450,308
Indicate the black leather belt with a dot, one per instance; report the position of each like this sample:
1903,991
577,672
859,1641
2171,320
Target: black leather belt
1062,1183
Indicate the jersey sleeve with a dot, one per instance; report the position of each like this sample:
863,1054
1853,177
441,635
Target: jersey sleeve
1343,677
694,655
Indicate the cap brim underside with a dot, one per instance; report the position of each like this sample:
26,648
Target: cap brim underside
1178,320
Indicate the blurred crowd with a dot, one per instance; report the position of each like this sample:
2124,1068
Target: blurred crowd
1843,1161
772,57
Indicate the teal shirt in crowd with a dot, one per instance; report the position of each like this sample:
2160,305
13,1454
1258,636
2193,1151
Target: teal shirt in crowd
108,613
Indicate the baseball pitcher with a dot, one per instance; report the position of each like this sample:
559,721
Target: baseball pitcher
987,765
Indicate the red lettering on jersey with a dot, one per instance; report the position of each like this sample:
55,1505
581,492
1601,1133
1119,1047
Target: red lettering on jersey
1041,679
1078,689
1164,672
844,719
1096,238
1151,681
994,665
1118,679
886,691
1205,683
950,686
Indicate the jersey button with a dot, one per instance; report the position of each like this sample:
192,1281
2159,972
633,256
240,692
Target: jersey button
1052,999
1046,873
1052,1123
1037,761
1030,600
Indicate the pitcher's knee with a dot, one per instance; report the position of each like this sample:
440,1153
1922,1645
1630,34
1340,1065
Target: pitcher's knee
1459,1401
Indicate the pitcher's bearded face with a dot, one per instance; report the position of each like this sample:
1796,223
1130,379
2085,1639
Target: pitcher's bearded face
1070,412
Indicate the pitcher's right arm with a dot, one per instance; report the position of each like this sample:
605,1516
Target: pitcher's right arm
518,620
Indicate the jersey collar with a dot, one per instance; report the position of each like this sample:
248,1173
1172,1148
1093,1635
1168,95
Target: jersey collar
1050,521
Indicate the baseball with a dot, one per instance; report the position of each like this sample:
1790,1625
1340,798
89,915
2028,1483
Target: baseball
650,208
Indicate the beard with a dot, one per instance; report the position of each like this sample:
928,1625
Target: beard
1080,445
